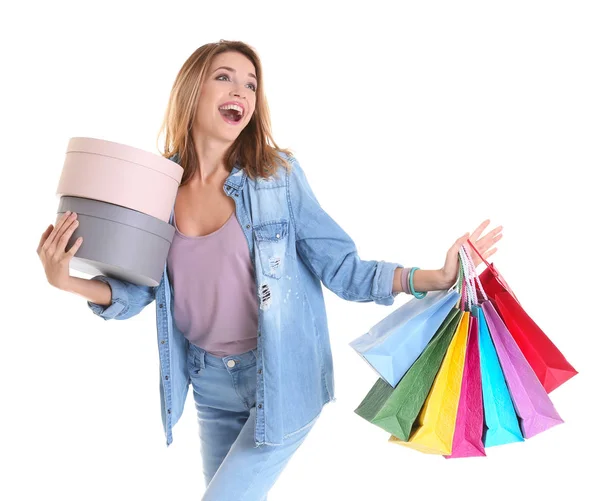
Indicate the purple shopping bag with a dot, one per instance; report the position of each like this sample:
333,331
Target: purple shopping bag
532,404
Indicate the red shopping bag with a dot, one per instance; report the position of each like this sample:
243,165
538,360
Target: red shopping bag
549,364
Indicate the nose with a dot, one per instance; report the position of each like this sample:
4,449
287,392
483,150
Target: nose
238,93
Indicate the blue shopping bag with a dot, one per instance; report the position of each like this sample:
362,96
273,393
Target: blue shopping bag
392,345
501,423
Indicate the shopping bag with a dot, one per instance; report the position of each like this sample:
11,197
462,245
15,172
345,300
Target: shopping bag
396,409
549,364
392,345
493,282
434,430
501,424
547,361
532,404
468,433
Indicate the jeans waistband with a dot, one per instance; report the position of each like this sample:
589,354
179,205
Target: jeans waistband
202,358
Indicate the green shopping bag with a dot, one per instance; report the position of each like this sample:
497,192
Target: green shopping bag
396,409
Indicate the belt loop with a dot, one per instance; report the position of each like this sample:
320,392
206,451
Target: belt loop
201,353
197,354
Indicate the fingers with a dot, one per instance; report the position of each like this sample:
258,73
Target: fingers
490,252
64,239
493,234
55,239
486,255
462,240
66,219
479,230
44,237
71,252
485,243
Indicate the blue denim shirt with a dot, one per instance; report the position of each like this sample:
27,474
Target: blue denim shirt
294,245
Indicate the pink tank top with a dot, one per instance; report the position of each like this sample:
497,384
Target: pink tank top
214,289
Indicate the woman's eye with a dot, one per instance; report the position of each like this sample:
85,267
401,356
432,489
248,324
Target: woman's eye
253,87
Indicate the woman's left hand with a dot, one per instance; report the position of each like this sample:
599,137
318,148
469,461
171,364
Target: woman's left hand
484,244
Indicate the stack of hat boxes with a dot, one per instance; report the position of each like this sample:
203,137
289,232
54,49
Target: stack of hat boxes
123,198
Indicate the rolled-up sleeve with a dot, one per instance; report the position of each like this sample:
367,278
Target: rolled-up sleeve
330,253
127,299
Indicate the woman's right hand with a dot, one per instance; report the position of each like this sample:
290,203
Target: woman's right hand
52,250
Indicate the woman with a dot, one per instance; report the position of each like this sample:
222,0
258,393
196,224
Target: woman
240,310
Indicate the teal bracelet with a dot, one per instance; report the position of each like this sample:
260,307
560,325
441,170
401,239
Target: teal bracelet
418,295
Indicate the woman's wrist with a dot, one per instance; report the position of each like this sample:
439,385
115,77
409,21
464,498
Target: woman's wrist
423,281
428,280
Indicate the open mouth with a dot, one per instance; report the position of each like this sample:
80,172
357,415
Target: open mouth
231,113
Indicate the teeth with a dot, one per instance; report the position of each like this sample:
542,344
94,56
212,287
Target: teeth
235,107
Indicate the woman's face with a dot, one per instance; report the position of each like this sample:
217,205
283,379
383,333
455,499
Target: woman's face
227,99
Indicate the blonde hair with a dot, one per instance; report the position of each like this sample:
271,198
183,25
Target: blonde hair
254,150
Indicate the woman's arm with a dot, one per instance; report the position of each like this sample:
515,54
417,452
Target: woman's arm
125,299
329,252
94,291
444,278
107,297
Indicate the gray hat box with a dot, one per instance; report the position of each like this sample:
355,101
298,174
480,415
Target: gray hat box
118,242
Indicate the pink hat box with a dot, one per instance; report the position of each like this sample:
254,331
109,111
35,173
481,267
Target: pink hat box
121,175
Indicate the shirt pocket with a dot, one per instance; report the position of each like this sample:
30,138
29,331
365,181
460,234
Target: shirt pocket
271,243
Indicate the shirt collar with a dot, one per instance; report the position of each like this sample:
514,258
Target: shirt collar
237,178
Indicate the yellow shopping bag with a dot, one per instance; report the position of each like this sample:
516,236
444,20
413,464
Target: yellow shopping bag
433,431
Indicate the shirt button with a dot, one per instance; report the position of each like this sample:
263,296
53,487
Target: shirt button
260,406
231,363
248,226
277,235
260,371
160,305
162,342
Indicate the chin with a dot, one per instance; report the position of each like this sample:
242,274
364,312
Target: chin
232,135
218,134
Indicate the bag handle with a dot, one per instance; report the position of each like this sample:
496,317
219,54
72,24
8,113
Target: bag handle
465,281
469,290
461,285
463,289
490,267
474,278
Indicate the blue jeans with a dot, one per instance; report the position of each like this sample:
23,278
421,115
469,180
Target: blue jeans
224,391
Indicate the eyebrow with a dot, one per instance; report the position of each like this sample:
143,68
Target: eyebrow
233,71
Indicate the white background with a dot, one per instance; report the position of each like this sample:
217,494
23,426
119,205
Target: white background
414,121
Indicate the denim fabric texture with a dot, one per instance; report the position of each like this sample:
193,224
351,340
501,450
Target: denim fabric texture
224,392
295,247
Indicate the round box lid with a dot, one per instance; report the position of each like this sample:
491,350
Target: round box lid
128,153
112,212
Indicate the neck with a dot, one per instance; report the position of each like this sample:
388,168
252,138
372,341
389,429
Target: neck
211,160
